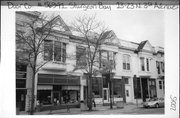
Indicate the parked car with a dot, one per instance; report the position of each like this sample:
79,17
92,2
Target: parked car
154,102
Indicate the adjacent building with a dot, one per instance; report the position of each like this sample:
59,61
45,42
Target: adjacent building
138,70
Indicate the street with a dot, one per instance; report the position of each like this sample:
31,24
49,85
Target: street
121,111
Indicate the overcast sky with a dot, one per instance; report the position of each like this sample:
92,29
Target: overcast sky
130,25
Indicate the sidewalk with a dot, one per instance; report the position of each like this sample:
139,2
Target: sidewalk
77,111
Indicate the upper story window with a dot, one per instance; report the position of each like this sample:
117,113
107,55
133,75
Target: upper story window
147,64
107,57
160,84
54,51
162,67
158,67
142,64
112,59
80,56
126,62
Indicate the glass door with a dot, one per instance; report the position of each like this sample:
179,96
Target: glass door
105,95
56,97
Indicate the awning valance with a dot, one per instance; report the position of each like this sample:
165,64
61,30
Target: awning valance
44,87
70,87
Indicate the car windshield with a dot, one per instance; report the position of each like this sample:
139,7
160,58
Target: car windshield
153,99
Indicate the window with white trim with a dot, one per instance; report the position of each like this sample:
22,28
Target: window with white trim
158,67
142,64
126,62
147,64
107,57
81,56
162,67
54,51
160,84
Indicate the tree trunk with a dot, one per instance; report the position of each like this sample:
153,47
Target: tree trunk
32,95
33,82
90,92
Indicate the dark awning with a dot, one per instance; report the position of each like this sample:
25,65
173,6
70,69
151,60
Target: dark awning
58,79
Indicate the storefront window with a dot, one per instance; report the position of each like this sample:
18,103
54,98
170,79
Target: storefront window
137,88
118,88
152,88
44,96
71,96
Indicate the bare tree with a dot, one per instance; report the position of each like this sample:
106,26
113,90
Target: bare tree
94,34
30,36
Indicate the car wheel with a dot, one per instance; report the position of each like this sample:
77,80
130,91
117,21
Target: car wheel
157,105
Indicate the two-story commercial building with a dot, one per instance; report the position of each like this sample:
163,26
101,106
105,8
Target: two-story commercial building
138,70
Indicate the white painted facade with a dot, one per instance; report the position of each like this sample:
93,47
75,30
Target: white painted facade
124,48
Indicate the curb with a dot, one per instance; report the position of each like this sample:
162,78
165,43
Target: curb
79,111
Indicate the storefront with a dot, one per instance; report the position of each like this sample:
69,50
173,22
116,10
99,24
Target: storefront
101,89
152,88
144,88
53,88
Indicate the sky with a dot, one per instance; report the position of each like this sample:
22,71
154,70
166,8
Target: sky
130,25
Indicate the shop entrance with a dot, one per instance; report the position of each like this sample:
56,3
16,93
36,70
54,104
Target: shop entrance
128,93
56,94
144,89
56,97
105,95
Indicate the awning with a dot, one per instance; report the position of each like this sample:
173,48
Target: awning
70,87
44,87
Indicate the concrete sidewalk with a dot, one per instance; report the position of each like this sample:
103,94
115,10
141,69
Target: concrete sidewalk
78,111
